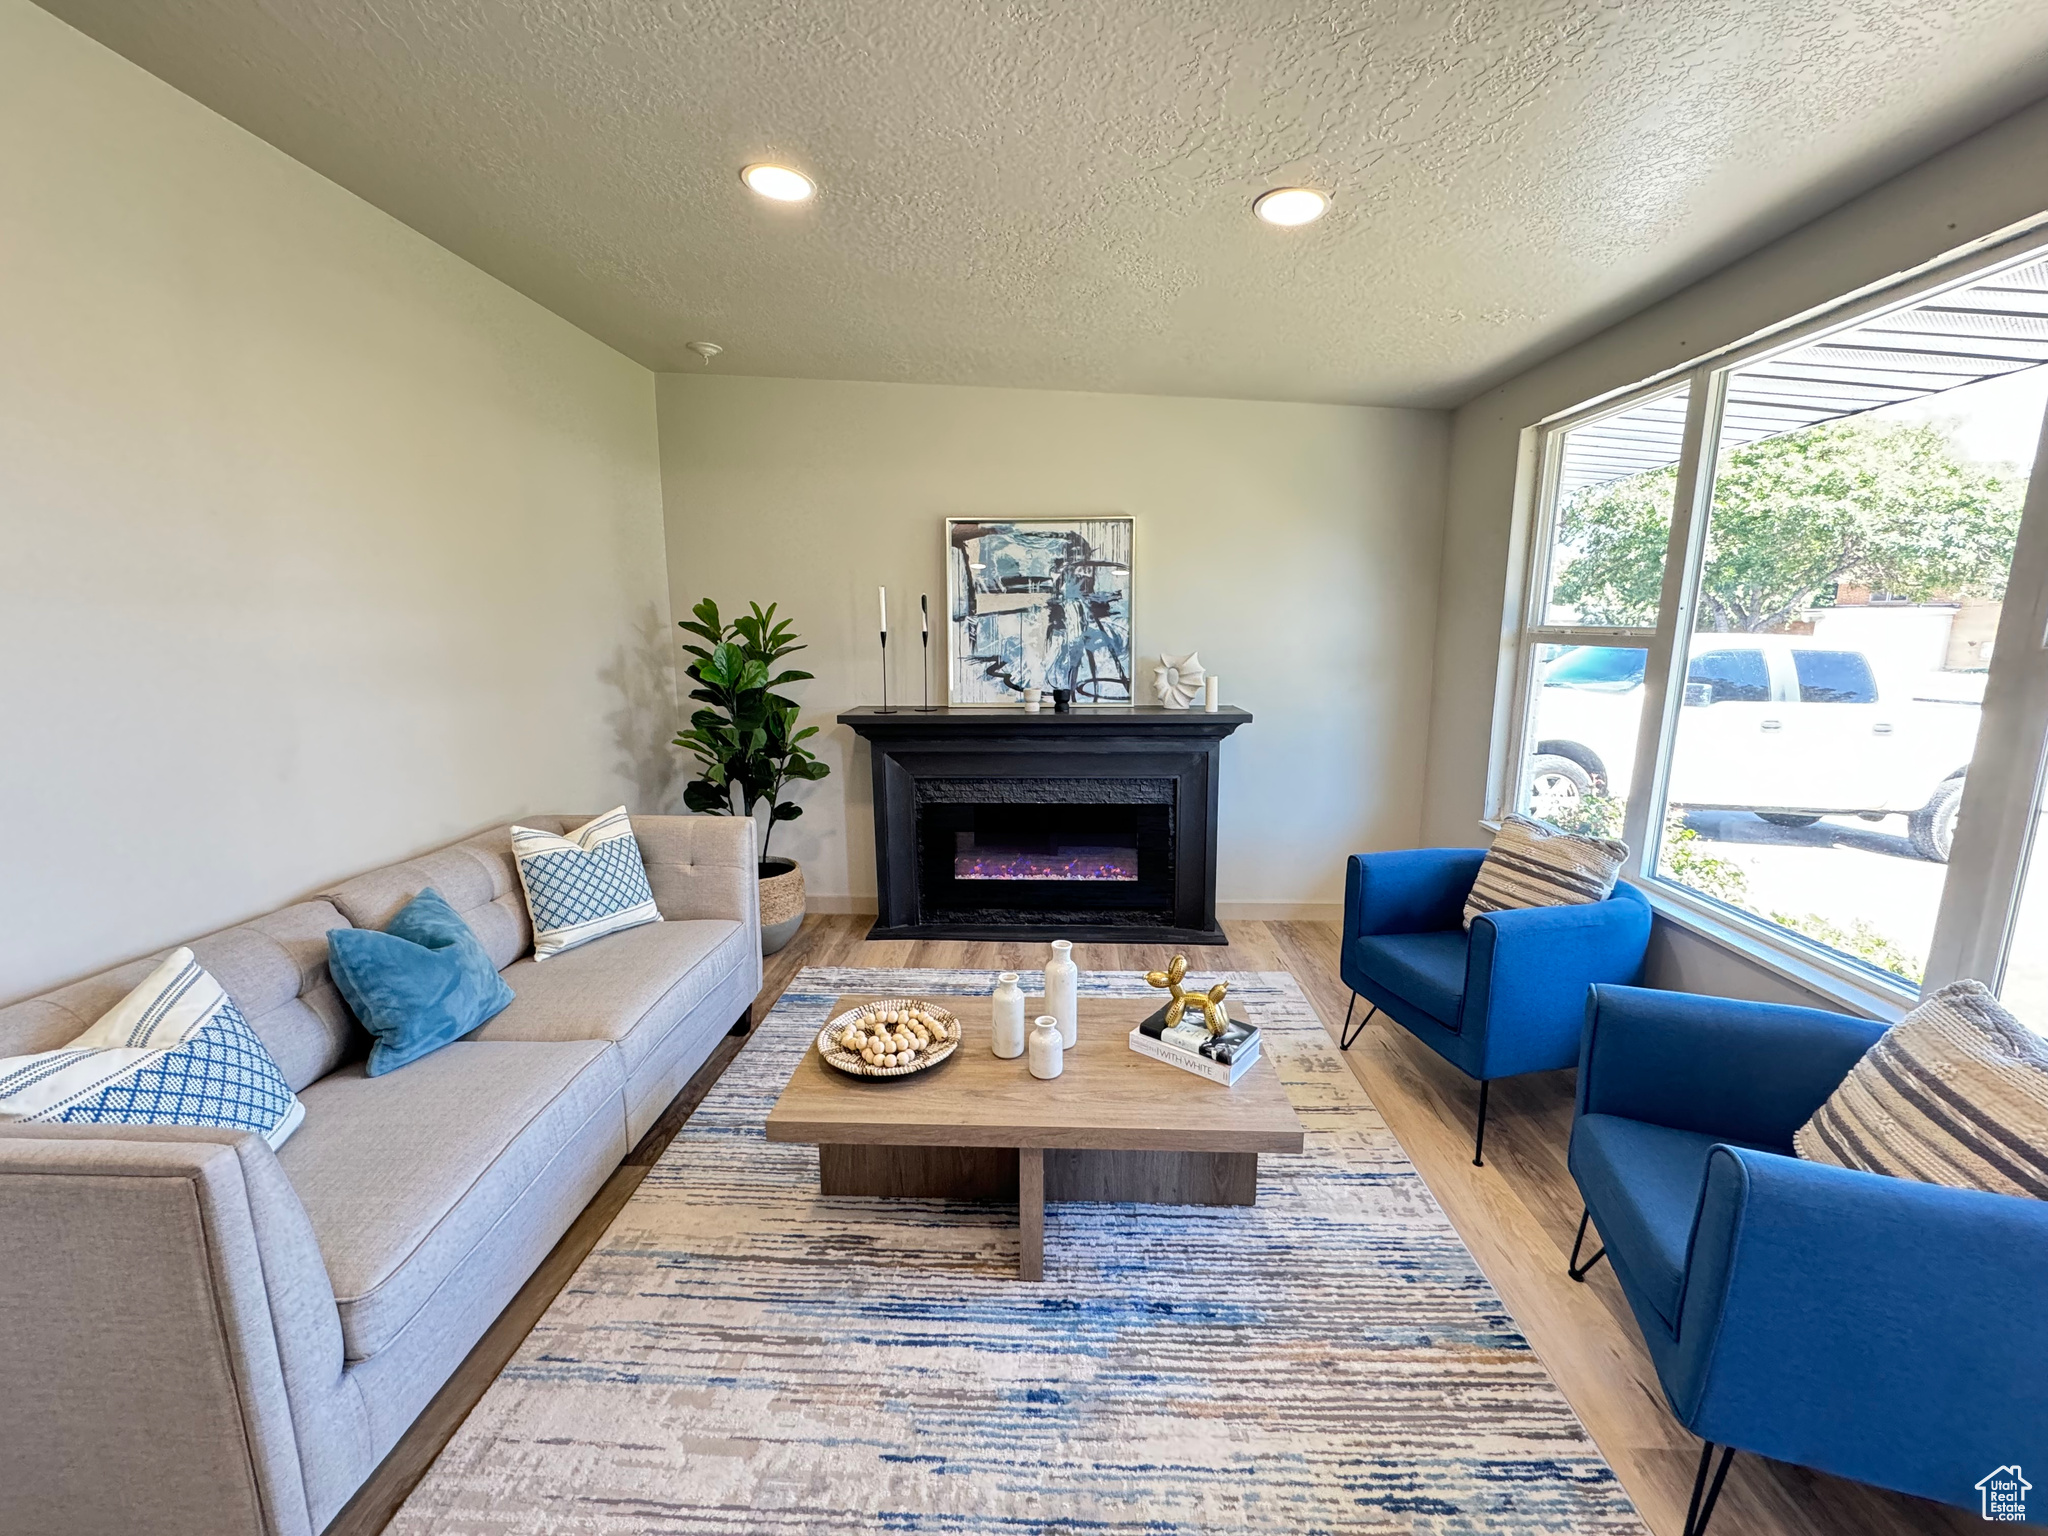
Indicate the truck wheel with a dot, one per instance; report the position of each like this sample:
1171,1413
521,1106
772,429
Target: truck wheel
1933,826
1782,819
1557,788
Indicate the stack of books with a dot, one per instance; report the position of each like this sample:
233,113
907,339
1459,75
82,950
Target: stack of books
1188,1045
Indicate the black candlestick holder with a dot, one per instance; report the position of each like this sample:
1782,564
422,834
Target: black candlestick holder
927,707
886,708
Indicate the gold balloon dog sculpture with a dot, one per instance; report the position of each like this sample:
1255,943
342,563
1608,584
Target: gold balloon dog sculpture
1209,1004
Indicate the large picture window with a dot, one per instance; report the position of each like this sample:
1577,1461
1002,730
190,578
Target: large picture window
1762,635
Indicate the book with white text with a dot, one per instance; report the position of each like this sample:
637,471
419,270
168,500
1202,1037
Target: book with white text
1225,1073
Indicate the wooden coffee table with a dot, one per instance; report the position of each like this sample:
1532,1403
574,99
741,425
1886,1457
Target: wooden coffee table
1114,1126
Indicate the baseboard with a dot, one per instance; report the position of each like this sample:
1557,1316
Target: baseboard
1226,911
839,906
1280,911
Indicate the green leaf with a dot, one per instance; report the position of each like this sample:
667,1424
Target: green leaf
703,796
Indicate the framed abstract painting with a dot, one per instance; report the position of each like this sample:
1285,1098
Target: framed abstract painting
1038,602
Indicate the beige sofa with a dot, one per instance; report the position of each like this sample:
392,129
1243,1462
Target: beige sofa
198,1335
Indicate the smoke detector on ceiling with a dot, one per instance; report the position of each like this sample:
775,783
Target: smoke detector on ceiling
705,349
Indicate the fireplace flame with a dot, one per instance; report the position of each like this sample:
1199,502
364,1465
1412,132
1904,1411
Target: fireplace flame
1065,864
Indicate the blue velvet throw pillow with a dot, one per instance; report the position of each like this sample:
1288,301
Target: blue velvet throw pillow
419,984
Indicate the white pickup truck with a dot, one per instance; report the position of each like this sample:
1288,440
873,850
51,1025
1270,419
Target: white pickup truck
1791,729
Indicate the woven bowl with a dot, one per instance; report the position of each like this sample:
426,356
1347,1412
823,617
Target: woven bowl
850,1063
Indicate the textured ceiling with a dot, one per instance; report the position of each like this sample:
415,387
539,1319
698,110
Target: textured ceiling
1057,195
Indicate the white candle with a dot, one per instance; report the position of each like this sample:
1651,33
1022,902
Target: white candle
885,608
1210,693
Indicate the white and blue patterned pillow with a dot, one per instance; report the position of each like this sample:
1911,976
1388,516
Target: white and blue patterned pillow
584,884
175,1051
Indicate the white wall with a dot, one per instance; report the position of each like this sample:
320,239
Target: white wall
317,546
1972,190
1294,546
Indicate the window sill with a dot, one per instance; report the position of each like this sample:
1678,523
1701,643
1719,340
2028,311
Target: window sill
1871,998
1866,997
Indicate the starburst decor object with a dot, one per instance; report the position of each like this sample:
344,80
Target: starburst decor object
1208,1004
1178,680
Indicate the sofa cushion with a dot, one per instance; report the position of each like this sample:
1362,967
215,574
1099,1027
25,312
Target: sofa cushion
1642,1183
583,884
633,988
1533,864
175,1051
1427,969
475,876
402,1175
417,986
1955,1093
273,966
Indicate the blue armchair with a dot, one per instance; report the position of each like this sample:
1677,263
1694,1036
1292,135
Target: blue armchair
1507,998
1875,1328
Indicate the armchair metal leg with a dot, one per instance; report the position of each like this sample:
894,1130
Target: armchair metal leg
1479,1140
1349,1033
1573,1267
1699,1511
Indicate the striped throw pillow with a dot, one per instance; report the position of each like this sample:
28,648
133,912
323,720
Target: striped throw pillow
175,1051
584,884
1533,864
1955,1093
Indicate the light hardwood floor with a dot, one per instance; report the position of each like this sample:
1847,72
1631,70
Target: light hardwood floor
1517,1214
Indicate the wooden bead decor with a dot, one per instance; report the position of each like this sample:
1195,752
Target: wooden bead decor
890,1038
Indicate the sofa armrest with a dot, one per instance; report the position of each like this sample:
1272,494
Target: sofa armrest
168,1339
1537,965
1751,1072
703,866
1876,1328
1415,890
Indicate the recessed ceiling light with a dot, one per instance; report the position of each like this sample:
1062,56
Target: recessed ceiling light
779,182
1291,205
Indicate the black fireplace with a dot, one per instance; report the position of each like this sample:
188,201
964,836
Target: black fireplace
1098,824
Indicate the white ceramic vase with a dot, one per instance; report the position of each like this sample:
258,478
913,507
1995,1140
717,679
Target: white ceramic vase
1063,991
1007,1037
1048,1054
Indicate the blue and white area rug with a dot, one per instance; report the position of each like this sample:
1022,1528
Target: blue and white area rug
740,1354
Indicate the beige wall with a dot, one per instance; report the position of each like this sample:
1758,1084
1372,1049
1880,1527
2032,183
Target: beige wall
1980,186
317,546
1294,546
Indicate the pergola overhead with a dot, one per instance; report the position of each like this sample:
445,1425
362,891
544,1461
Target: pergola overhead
1984,330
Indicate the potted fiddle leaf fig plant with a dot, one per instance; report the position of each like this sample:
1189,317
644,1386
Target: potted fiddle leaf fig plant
747,743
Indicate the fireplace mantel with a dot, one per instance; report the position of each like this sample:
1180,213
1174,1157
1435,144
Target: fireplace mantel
1138,755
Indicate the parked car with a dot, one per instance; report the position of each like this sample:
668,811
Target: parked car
1775,724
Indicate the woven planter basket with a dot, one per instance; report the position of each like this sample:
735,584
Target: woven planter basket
782,896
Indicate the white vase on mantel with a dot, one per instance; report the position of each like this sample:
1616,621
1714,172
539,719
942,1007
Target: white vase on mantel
1063,991
1006,1038
1048,1055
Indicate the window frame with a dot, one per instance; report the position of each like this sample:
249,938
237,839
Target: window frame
2002,796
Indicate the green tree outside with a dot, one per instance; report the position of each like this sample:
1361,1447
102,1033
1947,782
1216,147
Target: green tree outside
1888,507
